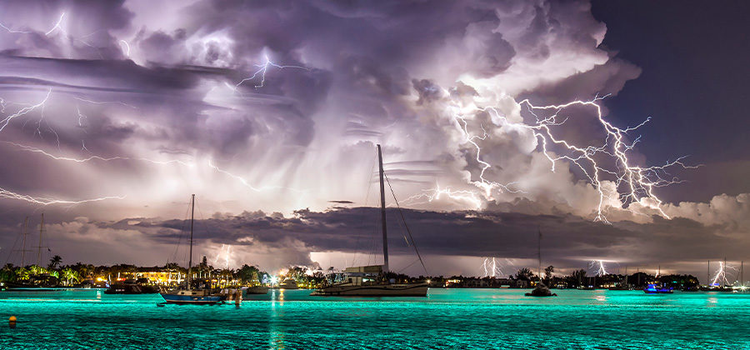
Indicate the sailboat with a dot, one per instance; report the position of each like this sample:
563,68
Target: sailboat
364,281
188,295
41,282
541,290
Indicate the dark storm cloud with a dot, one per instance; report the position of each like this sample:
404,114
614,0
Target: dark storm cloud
567,239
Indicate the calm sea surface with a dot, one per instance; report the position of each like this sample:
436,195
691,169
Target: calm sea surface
447,318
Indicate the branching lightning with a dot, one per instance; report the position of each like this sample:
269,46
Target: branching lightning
261,72
246,183
93,158
600,269
49,201
224,254
23,111
720,276
434,194
633,184
490,268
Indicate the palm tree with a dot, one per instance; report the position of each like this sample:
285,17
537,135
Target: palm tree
55,262
23,273
7,273
36,270
70,275
524,273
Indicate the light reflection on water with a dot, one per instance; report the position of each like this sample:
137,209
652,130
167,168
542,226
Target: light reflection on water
455,318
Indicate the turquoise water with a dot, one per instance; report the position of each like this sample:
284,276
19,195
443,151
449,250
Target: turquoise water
447,318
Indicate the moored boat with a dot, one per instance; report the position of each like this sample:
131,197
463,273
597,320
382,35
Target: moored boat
140,286
654,289
255,290
199,296
373,281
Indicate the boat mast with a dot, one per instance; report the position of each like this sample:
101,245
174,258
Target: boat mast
724,272
25,233
382,212
708,273
742,273
190,260
539,253
39,248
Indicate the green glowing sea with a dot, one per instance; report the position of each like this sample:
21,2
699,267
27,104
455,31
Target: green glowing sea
446,319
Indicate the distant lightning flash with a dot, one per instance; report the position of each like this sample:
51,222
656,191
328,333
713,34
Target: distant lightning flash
720,276
491,268
23,111
246,183
600,269
261,72
224,254
92,158
638,182
50,201
435,194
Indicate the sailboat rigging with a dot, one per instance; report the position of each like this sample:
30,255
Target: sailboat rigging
188,295
370,280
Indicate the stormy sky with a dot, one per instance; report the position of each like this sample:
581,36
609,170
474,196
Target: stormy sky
614,128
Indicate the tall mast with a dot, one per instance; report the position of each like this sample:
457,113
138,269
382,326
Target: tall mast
25,233
708,272
39,248
742,273
724,272
382,212
539,253
190,262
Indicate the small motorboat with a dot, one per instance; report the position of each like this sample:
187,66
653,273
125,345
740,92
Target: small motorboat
654,289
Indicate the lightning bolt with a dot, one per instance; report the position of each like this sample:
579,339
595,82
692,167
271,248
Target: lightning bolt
637,183
224,253
92,158
720,276
261,72
491,268
434,194
247,184
127,47
600,269
23,111
57,25
49,201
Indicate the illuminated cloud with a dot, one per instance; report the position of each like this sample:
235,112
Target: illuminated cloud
277,106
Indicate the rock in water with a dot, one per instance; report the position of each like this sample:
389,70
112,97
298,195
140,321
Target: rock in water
541,291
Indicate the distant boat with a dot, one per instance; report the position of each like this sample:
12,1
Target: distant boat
288,284
365,281
188,295
140,286
654,289
254,290
541,290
